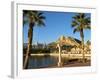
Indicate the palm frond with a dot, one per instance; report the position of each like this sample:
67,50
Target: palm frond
40,13
40,23
74,23
76,29
35,17
87,27
82,20
42,17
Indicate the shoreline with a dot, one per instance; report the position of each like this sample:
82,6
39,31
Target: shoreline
71,56
76,64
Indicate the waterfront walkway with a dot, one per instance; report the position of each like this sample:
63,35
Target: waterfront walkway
69,55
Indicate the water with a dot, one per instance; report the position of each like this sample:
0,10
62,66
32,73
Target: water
43,61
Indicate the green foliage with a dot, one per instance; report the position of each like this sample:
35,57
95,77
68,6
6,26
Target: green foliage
35,17
80,21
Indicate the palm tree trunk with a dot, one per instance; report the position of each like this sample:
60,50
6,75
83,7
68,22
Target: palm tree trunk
29,46
82,43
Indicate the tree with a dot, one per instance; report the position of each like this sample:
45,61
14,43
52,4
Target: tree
32,18
80,22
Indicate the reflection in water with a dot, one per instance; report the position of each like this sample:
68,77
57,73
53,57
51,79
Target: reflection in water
52,61
42,61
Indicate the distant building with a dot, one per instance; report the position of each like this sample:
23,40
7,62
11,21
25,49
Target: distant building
39,46
68,44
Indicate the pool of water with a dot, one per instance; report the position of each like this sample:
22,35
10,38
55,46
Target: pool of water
43,61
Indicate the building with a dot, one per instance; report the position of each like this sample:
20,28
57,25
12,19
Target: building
69,44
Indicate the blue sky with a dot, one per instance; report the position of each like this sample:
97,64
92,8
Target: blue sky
57,24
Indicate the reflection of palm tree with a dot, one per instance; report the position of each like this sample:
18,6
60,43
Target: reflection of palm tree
80,22
33,18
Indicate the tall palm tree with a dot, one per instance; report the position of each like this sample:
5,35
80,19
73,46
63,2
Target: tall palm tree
33,18
80,22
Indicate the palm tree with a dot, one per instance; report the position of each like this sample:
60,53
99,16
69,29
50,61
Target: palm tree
33,18
80,22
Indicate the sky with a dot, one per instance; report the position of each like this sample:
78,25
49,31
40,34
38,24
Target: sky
56,24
